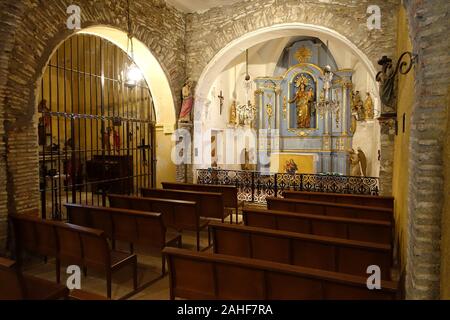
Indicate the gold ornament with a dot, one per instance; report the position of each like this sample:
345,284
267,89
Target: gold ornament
303,55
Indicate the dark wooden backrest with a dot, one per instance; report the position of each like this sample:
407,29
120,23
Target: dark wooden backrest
197,275
11,287
229,192
345,228
177,214
83,246
356,199
70,249
35,235
330,209
90,217
211,203
96,253
324,253
146,228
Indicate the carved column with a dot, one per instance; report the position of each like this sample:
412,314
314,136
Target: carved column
388,131
184,171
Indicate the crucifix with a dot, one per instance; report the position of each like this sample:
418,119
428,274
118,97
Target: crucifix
144,147
221,98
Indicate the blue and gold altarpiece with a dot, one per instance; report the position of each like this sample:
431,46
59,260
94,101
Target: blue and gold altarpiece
287,102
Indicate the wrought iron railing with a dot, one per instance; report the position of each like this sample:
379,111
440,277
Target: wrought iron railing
256,186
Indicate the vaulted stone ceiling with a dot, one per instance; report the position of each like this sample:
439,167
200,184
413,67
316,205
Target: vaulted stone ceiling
190,6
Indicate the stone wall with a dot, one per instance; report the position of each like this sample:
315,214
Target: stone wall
445,247
30,31
208,32
429,34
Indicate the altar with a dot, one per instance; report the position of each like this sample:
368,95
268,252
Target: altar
307,111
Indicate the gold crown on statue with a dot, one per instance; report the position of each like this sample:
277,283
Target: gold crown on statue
301,80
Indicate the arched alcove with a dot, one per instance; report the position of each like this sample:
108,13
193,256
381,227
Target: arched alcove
151,69
347,54
236,47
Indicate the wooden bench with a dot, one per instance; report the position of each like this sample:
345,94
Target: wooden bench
355,199
134,227
305,250
230,199
211,203
177,214
202,276
36,236
75,245
89,248
330,209
84,295
16,286
345,228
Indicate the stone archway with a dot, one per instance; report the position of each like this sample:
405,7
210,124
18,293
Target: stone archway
33,31
237,46
151,69
210,32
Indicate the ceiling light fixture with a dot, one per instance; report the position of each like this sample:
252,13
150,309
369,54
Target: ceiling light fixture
132,72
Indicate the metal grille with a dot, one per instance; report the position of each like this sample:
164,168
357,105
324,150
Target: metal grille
256,186
96,135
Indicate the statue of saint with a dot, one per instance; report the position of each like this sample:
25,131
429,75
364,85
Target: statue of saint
355,169
303,100
354,124
358,163
233,114
357,106
269,111
368,107
188,102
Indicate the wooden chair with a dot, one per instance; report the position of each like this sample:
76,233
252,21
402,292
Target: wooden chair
89,248
355,199
16,286
202,276
345,228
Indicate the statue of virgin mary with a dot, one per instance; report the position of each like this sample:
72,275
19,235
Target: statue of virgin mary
303,99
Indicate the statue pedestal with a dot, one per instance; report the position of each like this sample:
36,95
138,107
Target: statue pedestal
184,171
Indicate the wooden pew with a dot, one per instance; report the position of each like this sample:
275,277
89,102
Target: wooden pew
177,214
211,203
355,199
16,286
345,228
34,235
134,227
89,248
230,199
202,276
75,245
330,209
305,250
82,295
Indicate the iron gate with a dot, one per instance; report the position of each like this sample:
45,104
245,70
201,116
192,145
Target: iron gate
96,135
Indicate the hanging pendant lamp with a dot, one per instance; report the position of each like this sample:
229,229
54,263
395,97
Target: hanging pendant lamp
132,73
